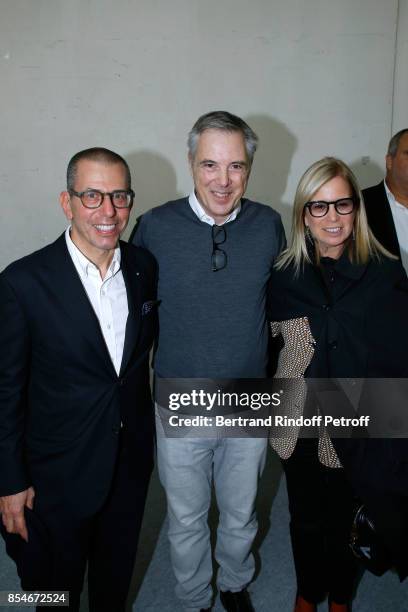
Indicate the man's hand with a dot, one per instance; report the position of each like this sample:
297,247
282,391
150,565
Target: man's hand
12,511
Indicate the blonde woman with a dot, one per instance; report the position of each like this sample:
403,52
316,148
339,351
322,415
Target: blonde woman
327,293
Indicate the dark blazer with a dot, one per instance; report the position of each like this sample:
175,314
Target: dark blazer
360,331
61,401
359,327
380,217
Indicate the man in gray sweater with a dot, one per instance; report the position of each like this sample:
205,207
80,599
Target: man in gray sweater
215,250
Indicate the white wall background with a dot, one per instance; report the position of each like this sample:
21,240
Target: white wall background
400,104
311,77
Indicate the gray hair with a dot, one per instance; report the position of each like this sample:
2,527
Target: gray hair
394,142
98,154
226,122
361,249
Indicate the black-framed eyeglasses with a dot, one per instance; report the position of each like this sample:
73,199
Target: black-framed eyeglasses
218,256
93,198
320,208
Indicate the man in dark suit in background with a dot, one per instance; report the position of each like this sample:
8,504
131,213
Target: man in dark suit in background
387,202
77,321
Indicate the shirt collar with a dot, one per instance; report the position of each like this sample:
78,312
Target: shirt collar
391,197
389,193
86,266
202,215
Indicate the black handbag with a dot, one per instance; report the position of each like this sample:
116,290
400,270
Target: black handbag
366,544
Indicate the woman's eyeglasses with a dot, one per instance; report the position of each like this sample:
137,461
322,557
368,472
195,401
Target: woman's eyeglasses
344,206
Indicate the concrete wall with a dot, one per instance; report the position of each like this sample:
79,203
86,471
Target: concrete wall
312,78
400,106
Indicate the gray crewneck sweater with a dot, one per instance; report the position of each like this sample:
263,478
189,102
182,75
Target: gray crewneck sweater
212,324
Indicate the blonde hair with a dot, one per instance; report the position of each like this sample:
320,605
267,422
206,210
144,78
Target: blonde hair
361,249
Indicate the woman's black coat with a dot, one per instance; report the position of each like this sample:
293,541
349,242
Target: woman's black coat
358,316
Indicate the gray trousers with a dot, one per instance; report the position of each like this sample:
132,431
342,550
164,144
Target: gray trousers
187,467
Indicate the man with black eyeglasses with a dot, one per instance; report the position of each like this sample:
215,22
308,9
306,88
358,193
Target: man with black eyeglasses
215,250
77,321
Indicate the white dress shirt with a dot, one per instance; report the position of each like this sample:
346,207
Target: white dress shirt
202,215
108,298
400,216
